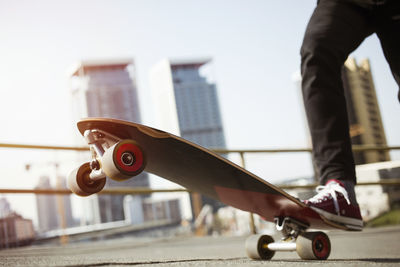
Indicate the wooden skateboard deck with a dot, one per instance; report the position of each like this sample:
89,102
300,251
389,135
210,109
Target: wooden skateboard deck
203,171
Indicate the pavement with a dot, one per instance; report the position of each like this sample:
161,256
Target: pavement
372,247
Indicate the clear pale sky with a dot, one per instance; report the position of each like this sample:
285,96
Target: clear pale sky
255,50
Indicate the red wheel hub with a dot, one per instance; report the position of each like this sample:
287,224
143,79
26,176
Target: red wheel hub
129,157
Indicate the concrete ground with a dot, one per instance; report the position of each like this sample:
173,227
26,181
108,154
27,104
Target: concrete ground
371,247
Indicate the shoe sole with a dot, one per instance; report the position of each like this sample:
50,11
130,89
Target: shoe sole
351,223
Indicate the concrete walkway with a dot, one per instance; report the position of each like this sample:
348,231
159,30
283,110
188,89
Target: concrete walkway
371,247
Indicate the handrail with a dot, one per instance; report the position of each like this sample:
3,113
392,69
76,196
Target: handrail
145,191
384,182
356,148
116,190
108,191
241,152
45,147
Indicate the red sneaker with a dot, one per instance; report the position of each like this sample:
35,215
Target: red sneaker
332,201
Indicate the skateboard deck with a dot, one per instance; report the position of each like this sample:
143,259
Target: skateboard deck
203,171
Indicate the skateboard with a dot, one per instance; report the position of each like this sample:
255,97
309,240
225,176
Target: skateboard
122,150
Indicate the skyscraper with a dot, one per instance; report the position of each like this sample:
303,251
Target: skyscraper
366,127
187,104
48,218
107,89
54,212
66,208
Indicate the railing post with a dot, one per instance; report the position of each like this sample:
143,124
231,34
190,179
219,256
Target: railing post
253,229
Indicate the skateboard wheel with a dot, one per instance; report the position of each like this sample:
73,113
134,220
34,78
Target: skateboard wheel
313,246
80,183
123,160
257,247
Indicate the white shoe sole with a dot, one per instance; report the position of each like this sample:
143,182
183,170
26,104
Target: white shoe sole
352,223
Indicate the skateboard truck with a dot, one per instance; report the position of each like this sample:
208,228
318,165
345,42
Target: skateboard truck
111,157
308,245
98,143
95,138
289,227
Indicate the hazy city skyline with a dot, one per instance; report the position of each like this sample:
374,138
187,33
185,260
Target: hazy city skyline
255,46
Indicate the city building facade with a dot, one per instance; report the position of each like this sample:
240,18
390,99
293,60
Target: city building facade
187,104
16,231
107,88
53,212
46,205
366,127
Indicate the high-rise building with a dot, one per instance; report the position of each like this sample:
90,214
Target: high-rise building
366,127
54,212
66,208
107,89
187,104
48,218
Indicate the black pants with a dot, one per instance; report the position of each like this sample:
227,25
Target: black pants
336,28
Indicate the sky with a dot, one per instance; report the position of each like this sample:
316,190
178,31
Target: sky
254,45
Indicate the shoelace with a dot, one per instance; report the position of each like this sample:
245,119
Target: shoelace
329,190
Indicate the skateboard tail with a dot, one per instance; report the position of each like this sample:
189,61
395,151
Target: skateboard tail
271,206
268,205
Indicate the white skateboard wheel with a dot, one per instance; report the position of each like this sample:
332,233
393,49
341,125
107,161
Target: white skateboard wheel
313,246
257,247
80,183
123,160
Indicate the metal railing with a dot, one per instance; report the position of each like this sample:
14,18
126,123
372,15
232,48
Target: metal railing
44,147
356,148
109,191
146,191
241,152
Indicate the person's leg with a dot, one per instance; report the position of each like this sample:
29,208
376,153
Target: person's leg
388,31
335,29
